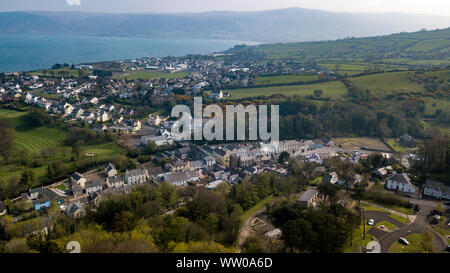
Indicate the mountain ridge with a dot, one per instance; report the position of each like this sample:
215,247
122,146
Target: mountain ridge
284,25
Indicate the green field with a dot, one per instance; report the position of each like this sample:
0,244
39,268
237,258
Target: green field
33,140
149,75
330,89
415,246
256,207
286,79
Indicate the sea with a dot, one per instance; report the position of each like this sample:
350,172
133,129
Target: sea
27,52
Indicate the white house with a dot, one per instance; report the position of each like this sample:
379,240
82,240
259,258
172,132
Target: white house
400,182
110,170
78,178
137,176
436,189
159,140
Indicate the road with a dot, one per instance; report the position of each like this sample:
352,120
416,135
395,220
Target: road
420,225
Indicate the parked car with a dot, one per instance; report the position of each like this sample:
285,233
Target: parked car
371,222
403,241
447,248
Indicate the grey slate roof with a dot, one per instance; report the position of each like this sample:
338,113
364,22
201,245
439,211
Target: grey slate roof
308,195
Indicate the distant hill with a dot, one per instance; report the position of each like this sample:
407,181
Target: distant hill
285,25
423,48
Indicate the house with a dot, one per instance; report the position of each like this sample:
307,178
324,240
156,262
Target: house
331,178
93,186
382,173
78,179
2,208
137,176
209,161
308,197
400,182
74,210
436,189
180,166
110,170
154,120
115,181
407,141
181,178
196,165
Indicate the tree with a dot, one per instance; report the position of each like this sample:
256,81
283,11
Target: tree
318,93
284,157
28,178
6,142
77,149
124,221
168,195
330,192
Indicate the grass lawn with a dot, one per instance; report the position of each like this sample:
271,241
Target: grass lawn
355,143
396,146
389,225
149,75
256,207
61,187
330,89
358,240
416,244
105,149
383,84
393,216
285,79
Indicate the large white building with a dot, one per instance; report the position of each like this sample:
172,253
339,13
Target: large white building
400,182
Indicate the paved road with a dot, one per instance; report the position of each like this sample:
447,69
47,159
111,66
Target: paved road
379,216
420,225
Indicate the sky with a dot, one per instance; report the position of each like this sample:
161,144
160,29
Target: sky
437,7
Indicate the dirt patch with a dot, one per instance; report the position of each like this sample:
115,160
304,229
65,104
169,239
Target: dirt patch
359,143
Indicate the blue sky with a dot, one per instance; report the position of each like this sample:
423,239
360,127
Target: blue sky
439,7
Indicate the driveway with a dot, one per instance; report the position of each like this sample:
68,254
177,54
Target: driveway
379,216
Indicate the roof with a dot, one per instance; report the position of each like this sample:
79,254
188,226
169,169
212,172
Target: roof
400,178
93,184
136,172
109,167
115,179
308,195
179,176
76,176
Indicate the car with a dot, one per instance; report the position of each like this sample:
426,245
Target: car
371,222
447,249
403,241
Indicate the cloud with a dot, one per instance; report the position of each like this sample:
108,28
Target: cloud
73,2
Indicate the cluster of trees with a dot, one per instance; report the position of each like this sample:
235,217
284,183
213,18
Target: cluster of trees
326,230
87,136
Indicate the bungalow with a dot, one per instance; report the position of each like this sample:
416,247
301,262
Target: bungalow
115,181
137,176
308,197
436,189
400,182
110,170
93,186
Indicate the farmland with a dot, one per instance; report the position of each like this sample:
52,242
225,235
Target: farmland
285,79
330,89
